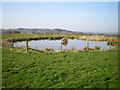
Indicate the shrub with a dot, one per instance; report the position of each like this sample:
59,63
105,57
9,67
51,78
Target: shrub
64,41
54,38
97,48
73,38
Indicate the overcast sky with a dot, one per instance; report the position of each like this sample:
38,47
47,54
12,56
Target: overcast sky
76,16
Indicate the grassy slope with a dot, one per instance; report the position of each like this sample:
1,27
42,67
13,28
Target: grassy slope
65,70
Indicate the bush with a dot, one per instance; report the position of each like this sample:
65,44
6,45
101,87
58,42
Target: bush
97,48
55,38
64,41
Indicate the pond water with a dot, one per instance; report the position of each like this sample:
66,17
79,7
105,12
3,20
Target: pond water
56,44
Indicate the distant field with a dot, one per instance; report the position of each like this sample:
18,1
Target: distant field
60,70
5,36
81,37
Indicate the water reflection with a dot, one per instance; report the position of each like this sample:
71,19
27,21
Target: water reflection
56,44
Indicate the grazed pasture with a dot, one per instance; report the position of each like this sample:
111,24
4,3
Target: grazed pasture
83,69
93,69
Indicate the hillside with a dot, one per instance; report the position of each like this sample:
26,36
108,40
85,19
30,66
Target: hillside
41,31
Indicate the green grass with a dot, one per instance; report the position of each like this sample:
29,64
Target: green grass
60,70
115,42
6,36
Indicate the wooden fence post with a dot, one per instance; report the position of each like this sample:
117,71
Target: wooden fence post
61,46
27,46
12,45
110,46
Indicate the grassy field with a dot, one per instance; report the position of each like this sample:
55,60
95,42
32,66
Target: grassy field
6,36
95,69
60,70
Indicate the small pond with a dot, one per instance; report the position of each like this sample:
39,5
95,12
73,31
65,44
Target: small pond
56,44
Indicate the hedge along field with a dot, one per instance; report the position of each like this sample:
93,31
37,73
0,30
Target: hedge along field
60,70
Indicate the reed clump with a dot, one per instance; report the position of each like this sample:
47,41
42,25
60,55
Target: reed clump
72,49
65,50
87,48
6,43
49,49
97,48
